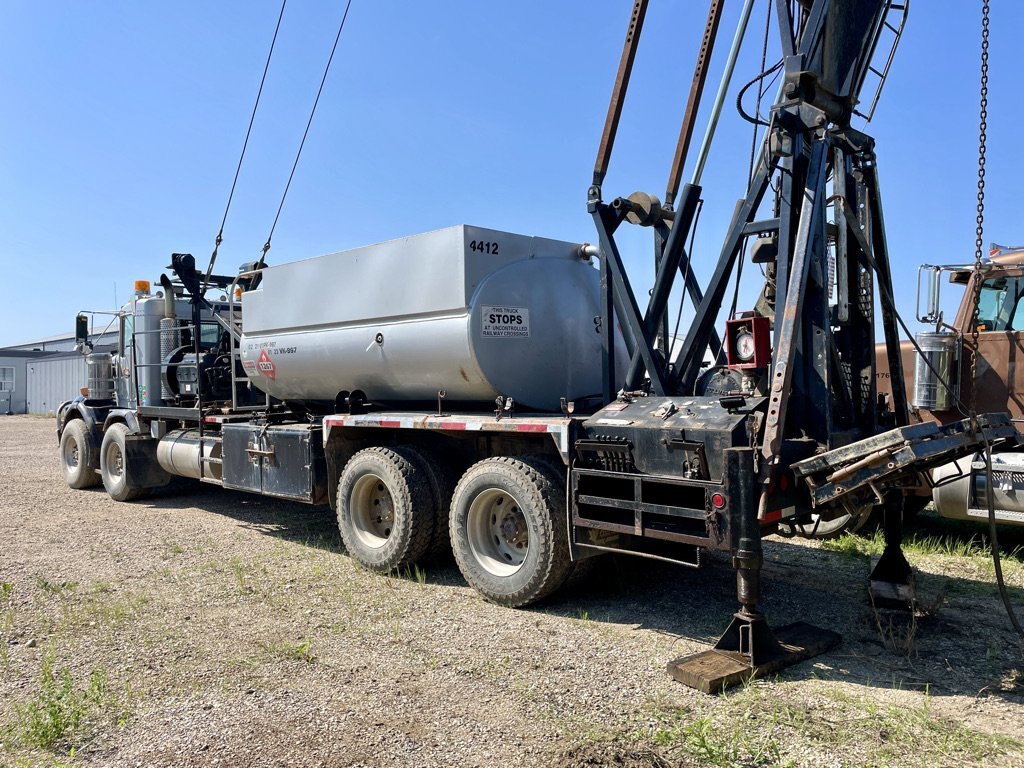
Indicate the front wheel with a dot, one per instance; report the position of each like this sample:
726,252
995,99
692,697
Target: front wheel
114,467
508,530
79,459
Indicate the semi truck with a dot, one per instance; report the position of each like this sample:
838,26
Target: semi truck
950,371
508,397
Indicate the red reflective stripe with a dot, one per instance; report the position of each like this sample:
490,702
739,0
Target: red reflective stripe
531,428
772,516
453,425
389,423
210,420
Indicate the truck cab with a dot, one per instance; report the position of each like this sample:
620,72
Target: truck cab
997,383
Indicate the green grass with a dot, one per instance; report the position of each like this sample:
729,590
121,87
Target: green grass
756,727
60,710
917,543
292,651
55,587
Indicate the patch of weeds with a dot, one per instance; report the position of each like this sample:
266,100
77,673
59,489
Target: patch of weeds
171,548
583,615
55,587
240,572
761,727
250,579
293,651
61,710
405,573
101,588
948,544
7,617
106,609
717,741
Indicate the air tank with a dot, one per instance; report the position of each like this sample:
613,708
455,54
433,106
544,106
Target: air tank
100,375
938,349
474,313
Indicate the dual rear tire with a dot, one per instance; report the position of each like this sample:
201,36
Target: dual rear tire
506,521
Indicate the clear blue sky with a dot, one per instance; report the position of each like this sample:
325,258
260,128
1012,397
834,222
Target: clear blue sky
122,123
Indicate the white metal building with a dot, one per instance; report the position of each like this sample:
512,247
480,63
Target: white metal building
53,379
13,378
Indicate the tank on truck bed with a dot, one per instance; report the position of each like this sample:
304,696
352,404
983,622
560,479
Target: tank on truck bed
474,313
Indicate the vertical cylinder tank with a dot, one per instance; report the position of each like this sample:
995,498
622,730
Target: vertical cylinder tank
100,376
934,368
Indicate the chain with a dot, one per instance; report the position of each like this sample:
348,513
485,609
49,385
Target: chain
980,230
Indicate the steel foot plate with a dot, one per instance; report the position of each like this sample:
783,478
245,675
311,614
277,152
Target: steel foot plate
713,671
891,590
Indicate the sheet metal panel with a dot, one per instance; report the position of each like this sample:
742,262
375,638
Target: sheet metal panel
51,381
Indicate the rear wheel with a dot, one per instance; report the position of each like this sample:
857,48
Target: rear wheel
441,479
508,530
385,510
114,467
79,458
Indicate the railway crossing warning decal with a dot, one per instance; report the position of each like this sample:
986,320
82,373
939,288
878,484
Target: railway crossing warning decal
505,322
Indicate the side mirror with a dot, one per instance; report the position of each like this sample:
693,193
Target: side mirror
930,276
82,329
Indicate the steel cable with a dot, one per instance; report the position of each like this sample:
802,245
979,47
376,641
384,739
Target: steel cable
302,143
245,144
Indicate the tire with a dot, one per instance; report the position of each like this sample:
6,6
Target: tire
114,468
523,555
832,529
442,482
79,457
385,509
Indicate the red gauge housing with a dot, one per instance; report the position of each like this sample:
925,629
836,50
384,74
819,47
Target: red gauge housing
748,343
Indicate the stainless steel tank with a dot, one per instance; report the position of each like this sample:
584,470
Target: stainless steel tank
182,451
473,312
940,351
100,375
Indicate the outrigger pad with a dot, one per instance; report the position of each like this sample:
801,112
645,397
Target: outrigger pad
891,583
720,668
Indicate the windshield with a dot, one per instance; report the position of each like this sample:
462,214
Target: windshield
998,304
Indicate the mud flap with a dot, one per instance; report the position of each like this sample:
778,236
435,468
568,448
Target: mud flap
141,463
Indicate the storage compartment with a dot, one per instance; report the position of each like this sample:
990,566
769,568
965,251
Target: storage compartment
286,461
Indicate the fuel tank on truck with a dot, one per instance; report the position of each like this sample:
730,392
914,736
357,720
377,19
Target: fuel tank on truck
476,313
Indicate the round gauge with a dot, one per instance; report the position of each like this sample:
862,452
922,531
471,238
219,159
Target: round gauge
745,346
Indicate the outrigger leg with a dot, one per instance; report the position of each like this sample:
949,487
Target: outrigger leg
891,583
749,647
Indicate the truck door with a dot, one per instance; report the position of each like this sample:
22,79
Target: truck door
124,371
1000,366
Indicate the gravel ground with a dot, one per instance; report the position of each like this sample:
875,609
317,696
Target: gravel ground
228,629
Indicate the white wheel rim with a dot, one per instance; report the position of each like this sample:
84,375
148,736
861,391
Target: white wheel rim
71,453
498,534
372,511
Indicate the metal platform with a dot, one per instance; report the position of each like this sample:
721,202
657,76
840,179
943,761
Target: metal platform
721,667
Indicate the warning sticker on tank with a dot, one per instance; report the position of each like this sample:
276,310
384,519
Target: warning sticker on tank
266,365
505,322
